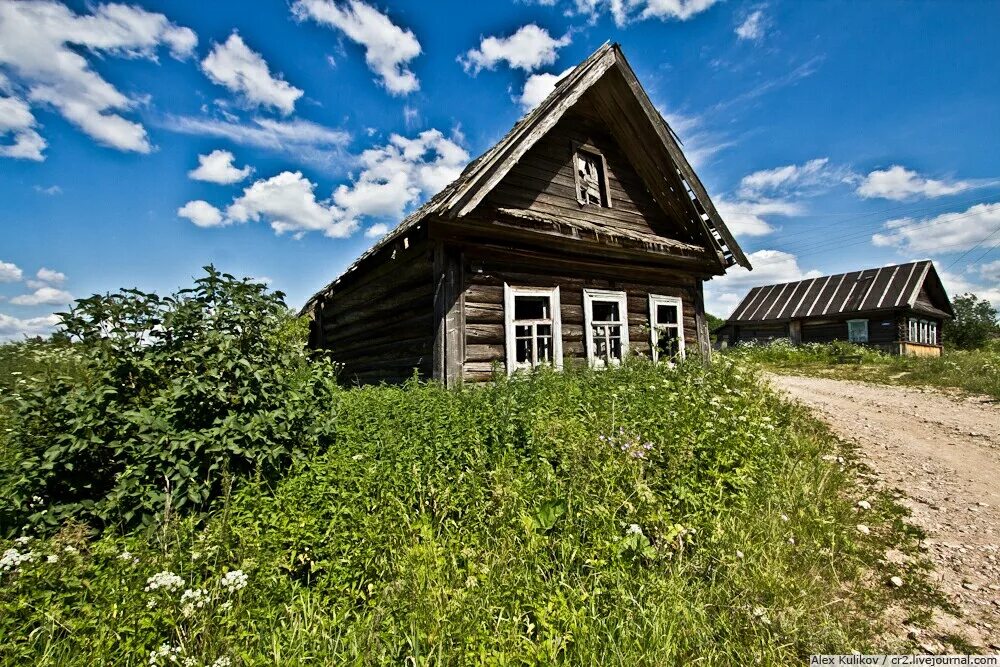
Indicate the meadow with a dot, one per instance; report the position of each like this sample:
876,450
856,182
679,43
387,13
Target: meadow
210,496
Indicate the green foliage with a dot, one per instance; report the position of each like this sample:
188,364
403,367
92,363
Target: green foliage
636,516
713,321
172,396
974,325
976,371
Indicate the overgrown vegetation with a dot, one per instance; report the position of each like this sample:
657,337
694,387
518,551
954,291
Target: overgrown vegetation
975,323
636,516
976,371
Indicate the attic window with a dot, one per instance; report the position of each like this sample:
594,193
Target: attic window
591,176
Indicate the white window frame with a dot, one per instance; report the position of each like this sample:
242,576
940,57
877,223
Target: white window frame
914,330
555,319
603,187
850,337
589,296
654,324
932,338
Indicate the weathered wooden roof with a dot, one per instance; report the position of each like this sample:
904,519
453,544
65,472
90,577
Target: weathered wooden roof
481,175
884,288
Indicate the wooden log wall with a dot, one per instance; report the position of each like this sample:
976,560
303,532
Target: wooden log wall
486,270
380,327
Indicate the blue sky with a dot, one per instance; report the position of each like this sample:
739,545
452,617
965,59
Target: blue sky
141,141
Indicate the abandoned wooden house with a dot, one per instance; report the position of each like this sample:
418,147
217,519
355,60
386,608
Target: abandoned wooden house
582,235
899,309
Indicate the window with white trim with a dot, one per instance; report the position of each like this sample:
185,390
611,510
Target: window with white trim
666,327
533,327
857,331
914,330
924,332
605,318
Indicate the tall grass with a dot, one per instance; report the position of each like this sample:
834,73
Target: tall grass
976,371
637,516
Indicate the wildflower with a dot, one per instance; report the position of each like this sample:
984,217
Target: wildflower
784,517
165,579
222,661
166,653
234,580
192,599
226,606
71,550
21,541
52,559
12,558
635,529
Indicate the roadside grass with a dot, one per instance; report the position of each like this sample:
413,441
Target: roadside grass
637,516
973,371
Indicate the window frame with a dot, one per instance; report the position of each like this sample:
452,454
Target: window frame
621,298
510,293
654,325
850,338
602,164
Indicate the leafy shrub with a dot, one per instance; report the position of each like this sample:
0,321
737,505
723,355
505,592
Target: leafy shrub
176,395
974,325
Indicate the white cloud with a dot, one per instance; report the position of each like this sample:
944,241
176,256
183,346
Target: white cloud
245,73
537,87
10,272
17,121
300,139
388,48
13,328
51,276
745,218
899,183
991,272
753,26
45,44
627,11
723,294
948,232
218,167
808,178
202,214
699,143
397,174
289,202
51,190
956,284
529,48
43,295
377,231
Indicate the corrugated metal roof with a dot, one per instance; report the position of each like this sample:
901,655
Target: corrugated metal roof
882,288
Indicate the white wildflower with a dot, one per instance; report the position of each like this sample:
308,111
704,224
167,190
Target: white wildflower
226,606
52,559
12,558
71,550
863,529
222,661
21,541
192,599
166,653
165,579
784,517
635,529
234,581
189,662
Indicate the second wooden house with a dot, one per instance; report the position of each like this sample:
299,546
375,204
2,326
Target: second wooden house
583,236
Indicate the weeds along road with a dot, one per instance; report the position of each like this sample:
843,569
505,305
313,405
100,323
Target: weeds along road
941,452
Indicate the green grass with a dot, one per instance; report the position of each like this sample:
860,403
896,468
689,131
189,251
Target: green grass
528,522
974,371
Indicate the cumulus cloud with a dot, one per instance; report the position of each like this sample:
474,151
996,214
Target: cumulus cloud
288,201
956,284
218,167
950,232
991,272
628,11
393,177
43,295
529,48
10,272
301,139
202,214
17,130
753,26
45,45
51,190
377,231
723,294
14,328
51,276
244,72
899,183
800,179
746,218
388,48
537,87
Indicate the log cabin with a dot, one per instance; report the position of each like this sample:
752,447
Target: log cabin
582,236
899,309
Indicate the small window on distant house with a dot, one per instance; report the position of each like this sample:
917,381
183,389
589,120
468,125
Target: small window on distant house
932,333
605,326
591,177
666,328
533,327
914,336
923,331
857,331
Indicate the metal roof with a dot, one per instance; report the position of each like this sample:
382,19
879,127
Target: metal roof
884,288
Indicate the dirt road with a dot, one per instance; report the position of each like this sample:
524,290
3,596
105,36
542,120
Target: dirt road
942,453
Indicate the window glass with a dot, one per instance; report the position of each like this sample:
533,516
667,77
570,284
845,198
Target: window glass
606,321
666,328
857,331
531,330
589,177
605,311
666,314
531,307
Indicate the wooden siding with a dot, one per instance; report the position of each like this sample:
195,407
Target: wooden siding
881,329
381,326
486,273
544,181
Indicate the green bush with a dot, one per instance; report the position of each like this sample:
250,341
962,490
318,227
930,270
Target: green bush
975,323
172,397
635,516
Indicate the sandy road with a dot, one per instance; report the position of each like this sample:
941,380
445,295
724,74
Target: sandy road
942,453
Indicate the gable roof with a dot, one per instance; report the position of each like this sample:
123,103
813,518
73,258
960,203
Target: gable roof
884,288
481,175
